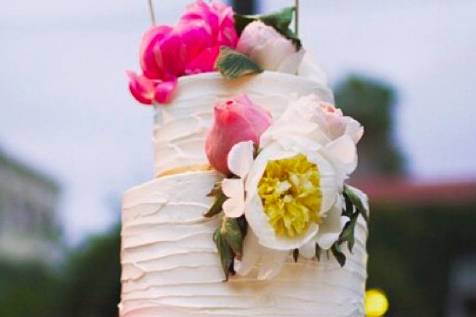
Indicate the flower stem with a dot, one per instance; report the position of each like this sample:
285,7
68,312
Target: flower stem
151,12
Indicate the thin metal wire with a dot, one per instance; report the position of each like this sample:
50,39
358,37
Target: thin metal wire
296,18
152,12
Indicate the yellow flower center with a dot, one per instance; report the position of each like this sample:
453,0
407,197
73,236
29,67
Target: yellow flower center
291,195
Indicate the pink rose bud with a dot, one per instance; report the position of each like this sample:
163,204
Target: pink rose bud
235,120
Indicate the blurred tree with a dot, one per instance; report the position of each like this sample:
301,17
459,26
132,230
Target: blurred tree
29,289
372,103
412,250
92,278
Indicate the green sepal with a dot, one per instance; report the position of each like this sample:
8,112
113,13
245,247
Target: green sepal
225,252
347,234
280,20
318,252
229,242
338,254
296,255
230,229
232,64
217,206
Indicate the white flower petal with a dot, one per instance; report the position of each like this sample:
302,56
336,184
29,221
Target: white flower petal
233,188
234,208
343,152
328,180
332,226
271,264
240,158
354,129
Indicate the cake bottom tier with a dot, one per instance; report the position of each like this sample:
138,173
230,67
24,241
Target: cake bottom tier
170,266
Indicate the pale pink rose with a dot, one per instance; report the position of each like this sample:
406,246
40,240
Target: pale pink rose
269,49
235,120
334,124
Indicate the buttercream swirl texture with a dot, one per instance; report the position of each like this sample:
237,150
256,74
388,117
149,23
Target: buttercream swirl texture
181,127
171,267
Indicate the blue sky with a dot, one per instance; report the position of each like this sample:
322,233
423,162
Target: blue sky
65,108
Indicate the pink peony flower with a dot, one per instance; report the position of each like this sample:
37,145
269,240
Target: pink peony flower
191,47
235,120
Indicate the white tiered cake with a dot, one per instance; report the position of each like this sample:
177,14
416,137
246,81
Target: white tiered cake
249,213
171,267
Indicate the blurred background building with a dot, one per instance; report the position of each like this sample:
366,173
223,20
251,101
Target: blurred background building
29,225
422,241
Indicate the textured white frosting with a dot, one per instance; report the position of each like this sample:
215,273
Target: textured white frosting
171,267
181,127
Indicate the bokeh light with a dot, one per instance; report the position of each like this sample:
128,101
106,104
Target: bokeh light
376,303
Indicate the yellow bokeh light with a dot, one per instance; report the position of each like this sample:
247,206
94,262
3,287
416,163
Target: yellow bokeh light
376,303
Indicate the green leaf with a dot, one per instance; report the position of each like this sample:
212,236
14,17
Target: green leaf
233,64
348,210
230,230
354,198
217,206
338,254
296,255
347,234
225,252
279,20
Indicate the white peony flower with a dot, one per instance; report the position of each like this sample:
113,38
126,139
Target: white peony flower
269,49
305,189
308,204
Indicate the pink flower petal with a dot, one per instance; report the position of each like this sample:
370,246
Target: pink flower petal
170,56
196,36
150,63
164,91
141,88
204,62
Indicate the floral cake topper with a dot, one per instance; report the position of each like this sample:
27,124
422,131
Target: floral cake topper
209,37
